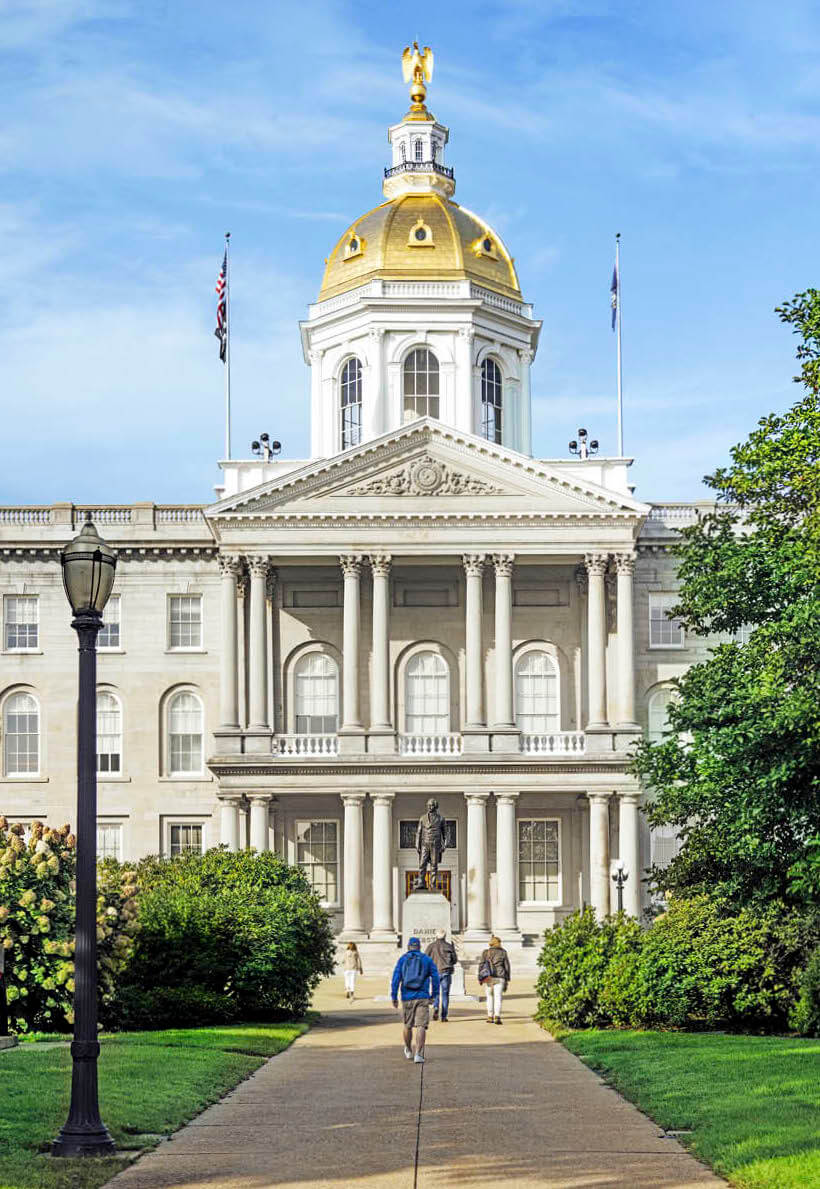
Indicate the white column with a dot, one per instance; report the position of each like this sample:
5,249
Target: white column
353,874
503,563
380,692
599,853
318,422
229,822
506,846
464,381
257,646
478,877
625,645
259,803
474,652
374,411
629,851
230,569
382,865
351,632
525,399
596,564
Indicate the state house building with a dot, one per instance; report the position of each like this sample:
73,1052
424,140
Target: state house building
421,608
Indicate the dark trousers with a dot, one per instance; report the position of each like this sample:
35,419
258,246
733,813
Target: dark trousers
444,993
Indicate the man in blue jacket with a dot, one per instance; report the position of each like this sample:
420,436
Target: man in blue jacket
417,976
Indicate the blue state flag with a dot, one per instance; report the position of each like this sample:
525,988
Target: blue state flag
613,295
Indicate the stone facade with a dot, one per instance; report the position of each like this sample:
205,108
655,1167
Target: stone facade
422,608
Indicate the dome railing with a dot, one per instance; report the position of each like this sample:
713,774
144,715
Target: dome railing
419,167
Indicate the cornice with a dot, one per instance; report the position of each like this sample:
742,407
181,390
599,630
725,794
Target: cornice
238,766
124,552
416,518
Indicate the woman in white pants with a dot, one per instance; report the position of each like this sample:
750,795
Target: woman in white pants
498,960
353,966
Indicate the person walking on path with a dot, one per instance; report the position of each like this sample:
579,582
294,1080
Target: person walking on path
494,976
417,976
353,966
443,953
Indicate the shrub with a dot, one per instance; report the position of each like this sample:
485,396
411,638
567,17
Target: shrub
805,1017
574,963
37,925
246,930
168,1007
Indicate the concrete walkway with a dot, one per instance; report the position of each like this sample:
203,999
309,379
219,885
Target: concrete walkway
504,1106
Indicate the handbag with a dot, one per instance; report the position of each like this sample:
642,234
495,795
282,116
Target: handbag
485,970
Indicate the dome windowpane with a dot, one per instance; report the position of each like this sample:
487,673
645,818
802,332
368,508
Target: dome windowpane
350,399
421,384
491,401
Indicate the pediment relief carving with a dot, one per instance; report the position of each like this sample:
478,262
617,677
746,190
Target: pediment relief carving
426,476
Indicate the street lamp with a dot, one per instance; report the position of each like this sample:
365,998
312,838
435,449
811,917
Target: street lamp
88,575
620,874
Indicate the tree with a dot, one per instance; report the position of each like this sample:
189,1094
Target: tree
739,774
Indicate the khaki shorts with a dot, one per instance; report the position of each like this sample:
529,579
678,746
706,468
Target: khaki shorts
416,1012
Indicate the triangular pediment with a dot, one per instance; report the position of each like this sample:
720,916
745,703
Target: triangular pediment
427,469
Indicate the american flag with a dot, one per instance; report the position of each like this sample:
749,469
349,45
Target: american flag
221,331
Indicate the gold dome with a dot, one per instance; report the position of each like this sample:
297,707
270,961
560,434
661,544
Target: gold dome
420,237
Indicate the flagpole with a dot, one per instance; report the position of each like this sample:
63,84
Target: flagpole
618,328
228,345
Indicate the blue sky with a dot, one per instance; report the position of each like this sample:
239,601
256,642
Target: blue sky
135,134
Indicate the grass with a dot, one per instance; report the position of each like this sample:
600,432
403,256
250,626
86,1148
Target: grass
150,1084
751,1103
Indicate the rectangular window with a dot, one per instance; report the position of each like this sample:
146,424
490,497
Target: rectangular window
744,633
317,853
539,862
185,621
664,632
664,844
407,834
185,838
21,619
109,840
109,636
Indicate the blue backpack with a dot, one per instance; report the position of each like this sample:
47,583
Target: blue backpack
415,973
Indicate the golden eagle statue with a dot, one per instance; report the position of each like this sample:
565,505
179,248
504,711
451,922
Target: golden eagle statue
417,68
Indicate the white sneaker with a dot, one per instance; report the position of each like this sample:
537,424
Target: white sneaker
407,1052
418,1059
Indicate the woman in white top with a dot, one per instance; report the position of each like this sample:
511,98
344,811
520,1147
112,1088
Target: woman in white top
353,966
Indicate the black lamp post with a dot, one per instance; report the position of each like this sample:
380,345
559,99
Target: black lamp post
88,575
620,875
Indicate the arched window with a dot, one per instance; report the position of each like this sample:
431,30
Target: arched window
491,401
658,714
421,384
536,694
109,732
316,695
351,403
185,734
427,695
418,150
21,732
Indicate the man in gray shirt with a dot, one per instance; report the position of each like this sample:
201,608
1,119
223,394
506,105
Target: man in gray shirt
443,953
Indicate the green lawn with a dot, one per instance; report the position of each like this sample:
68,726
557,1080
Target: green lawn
150,1084
752,1103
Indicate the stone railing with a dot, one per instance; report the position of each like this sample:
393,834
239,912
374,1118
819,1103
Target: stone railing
305,745
430,745
184,514
25,515
113,515
500,302
674,514
74,515
558,743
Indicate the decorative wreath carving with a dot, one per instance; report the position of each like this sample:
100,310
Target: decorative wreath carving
426,476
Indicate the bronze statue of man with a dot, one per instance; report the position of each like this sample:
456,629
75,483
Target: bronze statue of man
429,844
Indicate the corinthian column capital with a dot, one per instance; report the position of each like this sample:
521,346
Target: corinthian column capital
380,564
474,564
624,563
258,566
230,564
503,563
596,563
351,564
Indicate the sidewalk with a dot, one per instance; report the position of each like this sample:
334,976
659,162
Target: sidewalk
492,1106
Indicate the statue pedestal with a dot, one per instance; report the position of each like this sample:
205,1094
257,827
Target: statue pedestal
422,914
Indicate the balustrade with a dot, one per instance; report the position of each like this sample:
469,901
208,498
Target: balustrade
556,743
305,745
430,745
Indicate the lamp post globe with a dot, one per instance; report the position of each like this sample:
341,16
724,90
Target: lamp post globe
620,874
88,576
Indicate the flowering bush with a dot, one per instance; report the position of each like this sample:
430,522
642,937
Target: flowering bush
37,924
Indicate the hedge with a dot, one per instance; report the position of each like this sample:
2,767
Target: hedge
695,966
